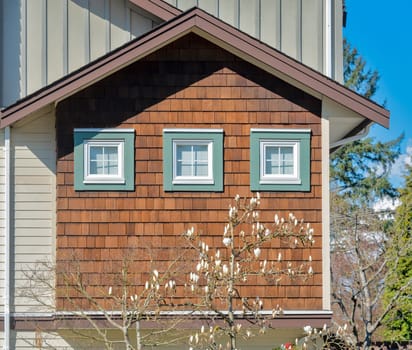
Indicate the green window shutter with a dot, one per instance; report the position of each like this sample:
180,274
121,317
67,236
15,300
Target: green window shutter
172,136
302,138
126,136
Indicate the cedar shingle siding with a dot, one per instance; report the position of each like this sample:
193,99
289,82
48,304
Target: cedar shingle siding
188,84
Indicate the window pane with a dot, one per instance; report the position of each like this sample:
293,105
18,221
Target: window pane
111,160
279,160
184,169
184,160
191,160
96,160
184,153
200,152
103,160
286,160
272,160
201,170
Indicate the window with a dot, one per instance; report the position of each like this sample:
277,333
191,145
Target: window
104,159
193,159
280,159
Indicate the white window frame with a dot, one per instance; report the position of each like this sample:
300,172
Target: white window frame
118,178
280,178
193,179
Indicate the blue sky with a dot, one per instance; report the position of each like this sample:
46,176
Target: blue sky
382,32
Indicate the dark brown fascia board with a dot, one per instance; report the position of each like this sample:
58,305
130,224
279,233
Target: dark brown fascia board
198,21
295,70
158,8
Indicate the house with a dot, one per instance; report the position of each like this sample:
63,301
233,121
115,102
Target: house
138,80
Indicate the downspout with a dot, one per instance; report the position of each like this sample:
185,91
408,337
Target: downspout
7,237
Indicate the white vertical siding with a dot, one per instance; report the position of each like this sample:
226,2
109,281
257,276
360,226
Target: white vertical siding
78,39
56,40
186,4
270,22
210,6
290,33
36,45
139,24
228,12
10,31
312,41
98,21
119,23
249,17
42,40
337,39
296,27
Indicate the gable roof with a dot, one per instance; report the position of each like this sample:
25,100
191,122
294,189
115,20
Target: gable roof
221,34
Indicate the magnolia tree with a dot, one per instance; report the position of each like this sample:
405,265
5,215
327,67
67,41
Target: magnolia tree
366,254
220,273
114,313
212,291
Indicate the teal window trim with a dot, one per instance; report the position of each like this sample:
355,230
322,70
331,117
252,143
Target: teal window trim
123,137
298,137
214,139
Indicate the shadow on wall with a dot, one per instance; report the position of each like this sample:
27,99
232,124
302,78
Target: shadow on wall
129,94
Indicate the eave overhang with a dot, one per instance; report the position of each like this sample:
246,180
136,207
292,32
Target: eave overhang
221,34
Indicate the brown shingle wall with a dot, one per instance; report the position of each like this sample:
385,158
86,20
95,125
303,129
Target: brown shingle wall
188,84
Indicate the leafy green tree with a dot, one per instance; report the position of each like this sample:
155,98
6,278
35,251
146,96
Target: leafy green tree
399,321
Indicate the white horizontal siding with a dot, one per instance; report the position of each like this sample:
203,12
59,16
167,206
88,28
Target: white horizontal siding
33,196
37,340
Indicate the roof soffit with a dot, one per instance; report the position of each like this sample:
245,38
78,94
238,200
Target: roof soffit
220,33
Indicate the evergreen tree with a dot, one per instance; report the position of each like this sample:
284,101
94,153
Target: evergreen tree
360,241
399,321
361,169
355,74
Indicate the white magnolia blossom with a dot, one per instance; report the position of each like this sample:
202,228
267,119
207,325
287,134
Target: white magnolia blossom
219,273
190,232
307,330
227,241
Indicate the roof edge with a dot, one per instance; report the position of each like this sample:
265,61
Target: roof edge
222,34
158,8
